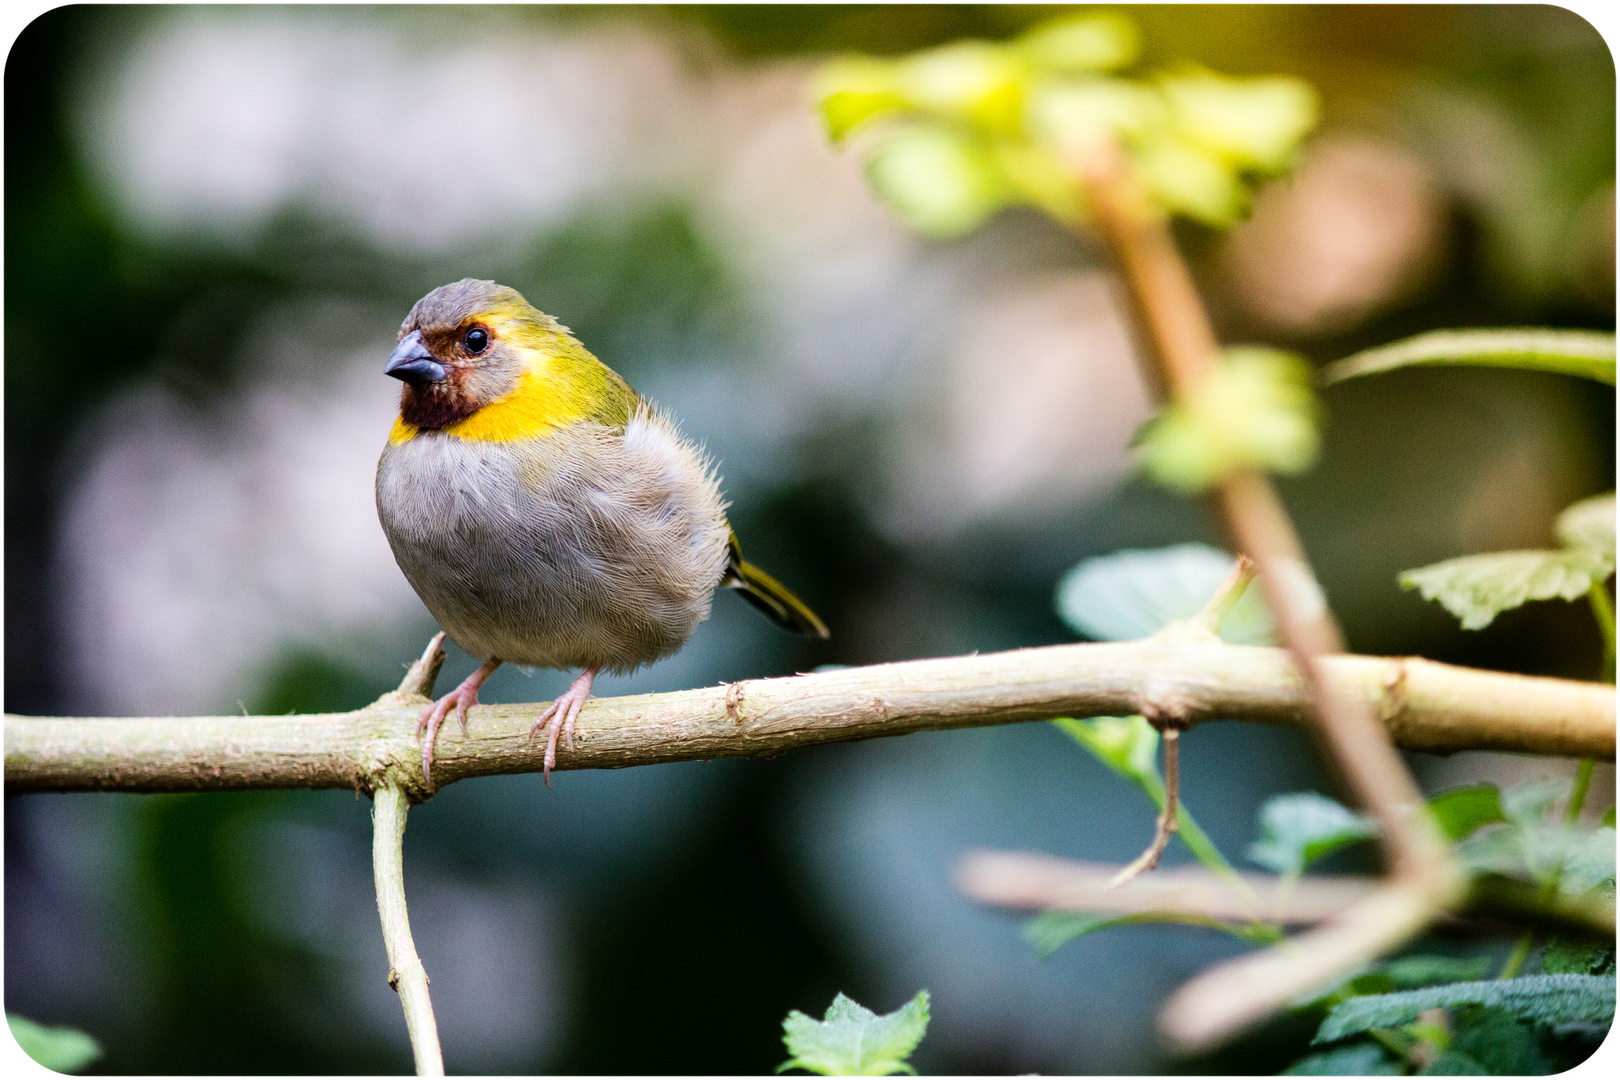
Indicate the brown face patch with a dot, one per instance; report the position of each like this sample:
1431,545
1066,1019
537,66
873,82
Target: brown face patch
437,404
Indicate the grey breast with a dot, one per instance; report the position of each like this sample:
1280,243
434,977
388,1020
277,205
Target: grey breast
585,548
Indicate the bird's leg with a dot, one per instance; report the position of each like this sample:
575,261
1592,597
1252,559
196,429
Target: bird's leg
561,714
461,697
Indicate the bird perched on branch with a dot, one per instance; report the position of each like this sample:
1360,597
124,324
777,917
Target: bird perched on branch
544,512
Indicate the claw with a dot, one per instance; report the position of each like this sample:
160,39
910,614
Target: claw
558,718
462,697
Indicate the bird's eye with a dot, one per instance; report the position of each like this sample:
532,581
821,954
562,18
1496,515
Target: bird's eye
477,340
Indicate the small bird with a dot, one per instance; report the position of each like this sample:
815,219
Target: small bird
544,512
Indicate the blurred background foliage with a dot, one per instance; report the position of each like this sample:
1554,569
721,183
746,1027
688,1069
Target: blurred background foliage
215,220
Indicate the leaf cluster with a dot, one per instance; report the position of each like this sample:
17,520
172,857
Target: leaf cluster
955,133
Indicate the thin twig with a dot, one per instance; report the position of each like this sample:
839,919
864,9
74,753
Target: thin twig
1425,706
405,971
1166,826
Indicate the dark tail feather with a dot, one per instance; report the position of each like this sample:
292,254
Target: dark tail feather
771,596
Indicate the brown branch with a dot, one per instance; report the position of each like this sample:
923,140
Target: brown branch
1033,882
1425,877
1424,705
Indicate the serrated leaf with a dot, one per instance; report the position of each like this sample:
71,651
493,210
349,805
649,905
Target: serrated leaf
1358,1059
1546,999
1250,124
1588,862
1297,829
940,181
1096,41
1588,524
1132,594
1188,179
1413,972
1477,588
1576,958
1254,410
851,1040
1460,811
60,1049
1501,1044
1569,352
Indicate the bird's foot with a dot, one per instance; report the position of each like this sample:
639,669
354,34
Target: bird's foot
461,698
559,719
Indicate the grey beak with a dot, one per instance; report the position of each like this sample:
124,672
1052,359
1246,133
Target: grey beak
412,362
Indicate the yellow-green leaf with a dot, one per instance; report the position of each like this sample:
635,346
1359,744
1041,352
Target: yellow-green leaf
1077,117
1477,588
1251,124
855,89
968,80
938,180
1188,179
1092,42
1254,410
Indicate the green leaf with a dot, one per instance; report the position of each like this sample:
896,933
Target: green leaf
1357,1059
1453,1063
1529,802
1298,829
1460,811
972,81
1051,930
1589,862
941,182
1477,588
60,1049
1499,1043
1096,41
1589,524
1132,594
1577,958
854,1041
1254,410
1250,124
1568,352
1188,179
1546,999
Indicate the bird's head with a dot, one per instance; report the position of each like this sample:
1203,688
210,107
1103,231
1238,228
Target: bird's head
464,346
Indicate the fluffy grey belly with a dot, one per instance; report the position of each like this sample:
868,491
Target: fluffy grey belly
587,548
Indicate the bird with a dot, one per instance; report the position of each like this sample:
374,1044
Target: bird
545,513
